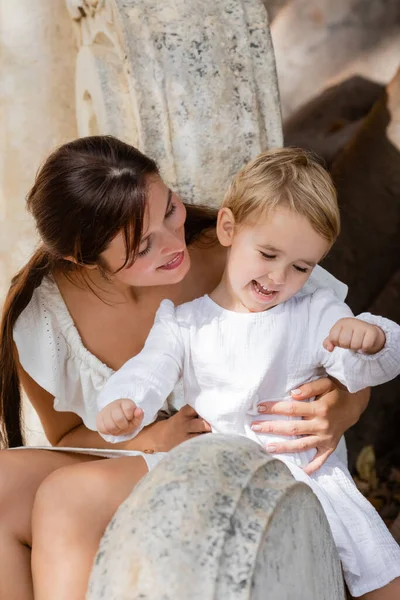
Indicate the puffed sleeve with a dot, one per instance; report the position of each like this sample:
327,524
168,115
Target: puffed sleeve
149,377
41,348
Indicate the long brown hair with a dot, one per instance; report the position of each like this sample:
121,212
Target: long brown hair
86,192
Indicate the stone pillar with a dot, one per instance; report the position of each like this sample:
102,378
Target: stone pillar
218,519
37,111
192,84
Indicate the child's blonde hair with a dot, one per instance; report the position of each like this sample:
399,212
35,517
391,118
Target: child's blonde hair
288,177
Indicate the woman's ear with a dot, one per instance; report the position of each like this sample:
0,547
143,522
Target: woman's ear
70,259
225,226
73,260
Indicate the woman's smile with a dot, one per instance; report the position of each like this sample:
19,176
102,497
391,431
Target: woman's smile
175,262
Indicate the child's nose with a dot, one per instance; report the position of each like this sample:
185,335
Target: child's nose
278,276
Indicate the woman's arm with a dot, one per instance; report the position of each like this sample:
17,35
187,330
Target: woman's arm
323,423
66,429
55,424
160,436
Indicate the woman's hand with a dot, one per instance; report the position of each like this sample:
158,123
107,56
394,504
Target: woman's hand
323,423
162,436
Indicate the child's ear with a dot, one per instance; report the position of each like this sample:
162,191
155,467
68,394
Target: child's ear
225,226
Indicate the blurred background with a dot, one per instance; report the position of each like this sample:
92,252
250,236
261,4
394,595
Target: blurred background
79,67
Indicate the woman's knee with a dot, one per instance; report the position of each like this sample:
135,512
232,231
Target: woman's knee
69,499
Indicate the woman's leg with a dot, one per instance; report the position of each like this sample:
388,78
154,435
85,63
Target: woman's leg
21,473
72,510
389,592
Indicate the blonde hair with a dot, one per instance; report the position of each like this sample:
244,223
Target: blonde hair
288,177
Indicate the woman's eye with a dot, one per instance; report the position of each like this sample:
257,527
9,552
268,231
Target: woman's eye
170,211
301,269
145,251
269,256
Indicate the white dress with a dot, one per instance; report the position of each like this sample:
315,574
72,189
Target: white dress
51,351
230,362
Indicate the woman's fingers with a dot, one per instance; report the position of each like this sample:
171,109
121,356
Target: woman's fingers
301,445
318,460
193,423
199,425
288,408
295,427
187,412
314,388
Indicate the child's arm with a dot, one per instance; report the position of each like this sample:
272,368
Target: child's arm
359,352
132,397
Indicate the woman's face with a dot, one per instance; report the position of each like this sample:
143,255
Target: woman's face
163,258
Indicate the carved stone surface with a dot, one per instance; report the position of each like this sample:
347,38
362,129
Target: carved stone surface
191,84
218,519
37,113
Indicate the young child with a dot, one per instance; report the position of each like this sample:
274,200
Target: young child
258,336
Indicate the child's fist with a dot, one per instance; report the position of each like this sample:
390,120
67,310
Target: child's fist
119,418
355,335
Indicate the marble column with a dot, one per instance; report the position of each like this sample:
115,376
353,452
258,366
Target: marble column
37,113
193,84
218,518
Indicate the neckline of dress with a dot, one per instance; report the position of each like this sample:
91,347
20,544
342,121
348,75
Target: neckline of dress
264,314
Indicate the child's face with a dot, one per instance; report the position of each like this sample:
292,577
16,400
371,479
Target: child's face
269,262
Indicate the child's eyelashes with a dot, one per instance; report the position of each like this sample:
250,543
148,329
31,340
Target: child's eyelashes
268,256
272,256
301,269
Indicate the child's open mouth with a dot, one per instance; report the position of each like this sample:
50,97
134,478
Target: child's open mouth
262,292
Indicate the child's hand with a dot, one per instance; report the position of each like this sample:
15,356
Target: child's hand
355,335
119,418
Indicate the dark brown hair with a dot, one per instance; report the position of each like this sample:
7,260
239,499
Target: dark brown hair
86,192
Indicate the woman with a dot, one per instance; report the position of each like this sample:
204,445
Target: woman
116,242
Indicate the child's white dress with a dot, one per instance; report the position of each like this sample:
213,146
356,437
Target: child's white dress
230,362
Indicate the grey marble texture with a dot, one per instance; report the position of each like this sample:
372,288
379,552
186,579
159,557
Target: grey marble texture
192,84
218,518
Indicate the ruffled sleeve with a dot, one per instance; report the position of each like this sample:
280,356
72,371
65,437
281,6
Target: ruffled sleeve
41,347
50,350
149,377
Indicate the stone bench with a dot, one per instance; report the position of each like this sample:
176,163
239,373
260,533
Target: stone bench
218,518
